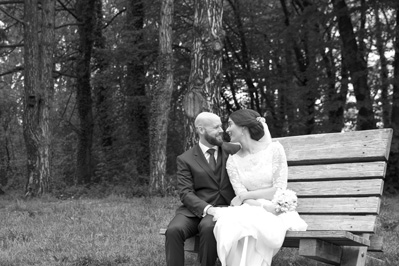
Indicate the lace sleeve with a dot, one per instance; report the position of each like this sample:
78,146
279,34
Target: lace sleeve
280,167
234,177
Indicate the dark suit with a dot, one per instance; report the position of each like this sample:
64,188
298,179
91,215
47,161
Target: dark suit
198,187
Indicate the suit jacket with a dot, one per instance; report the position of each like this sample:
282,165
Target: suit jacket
197,184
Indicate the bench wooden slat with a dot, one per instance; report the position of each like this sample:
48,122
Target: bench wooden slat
368,187
351,223
354,205
340,238
337,171
356,146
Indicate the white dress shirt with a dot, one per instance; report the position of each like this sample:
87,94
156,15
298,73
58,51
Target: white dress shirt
204,150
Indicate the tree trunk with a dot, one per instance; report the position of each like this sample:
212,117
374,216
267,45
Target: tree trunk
38,88
305,61
336,99
206,63
160,103
394,157
85,11
230,75
357,66
384,68
103,101
4,156
46,54
135,83
101,90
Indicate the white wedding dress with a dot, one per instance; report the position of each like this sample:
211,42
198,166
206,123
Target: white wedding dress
249,235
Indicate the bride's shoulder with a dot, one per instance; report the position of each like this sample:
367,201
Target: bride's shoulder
276,144
277,148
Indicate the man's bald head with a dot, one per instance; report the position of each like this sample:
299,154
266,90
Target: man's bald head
205,118
209,129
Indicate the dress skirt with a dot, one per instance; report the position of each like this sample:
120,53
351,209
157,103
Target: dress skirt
250,236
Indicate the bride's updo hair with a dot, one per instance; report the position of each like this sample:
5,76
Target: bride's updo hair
247,118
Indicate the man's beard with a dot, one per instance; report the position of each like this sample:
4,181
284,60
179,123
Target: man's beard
213,140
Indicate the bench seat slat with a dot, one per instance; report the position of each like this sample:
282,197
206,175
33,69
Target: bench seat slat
356,146
355,205
337,171
340,238
351,223
367,187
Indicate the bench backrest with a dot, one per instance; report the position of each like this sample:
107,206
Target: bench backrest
338,177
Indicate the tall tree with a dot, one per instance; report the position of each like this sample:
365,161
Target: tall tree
381,44
38,88
244,58
136,86
336,97
104,112
85,13
160,102
357,66
394,158
206,63
301,36
101,90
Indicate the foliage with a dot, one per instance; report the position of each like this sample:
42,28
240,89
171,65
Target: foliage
284,61
116,230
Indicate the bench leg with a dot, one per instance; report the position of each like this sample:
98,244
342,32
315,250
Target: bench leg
354,256
357,256
320,251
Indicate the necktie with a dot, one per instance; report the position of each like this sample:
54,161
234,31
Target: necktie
212,161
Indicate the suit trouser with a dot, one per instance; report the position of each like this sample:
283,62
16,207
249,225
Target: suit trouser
182,227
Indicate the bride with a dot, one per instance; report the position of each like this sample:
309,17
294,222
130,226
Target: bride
250,232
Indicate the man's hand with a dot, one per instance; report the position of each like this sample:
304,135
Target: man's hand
236,201
211,211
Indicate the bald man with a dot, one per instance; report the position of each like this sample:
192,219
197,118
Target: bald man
203,183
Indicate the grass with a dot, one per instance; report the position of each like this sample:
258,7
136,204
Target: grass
119,231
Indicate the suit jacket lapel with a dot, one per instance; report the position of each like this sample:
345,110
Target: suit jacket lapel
223,156
201,160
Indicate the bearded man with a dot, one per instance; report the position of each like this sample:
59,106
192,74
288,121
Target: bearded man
203,183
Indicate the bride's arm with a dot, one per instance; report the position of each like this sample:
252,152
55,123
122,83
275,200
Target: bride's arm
263,193
234,177
280,167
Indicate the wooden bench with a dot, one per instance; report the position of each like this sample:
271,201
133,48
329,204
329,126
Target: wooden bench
338,178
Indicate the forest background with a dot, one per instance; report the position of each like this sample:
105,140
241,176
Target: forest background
97,97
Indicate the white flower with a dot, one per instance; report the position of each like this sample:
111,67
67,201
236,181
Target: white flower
285,200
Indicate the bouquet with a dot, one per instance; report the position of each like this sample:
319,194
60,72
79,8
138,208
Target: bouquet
285,200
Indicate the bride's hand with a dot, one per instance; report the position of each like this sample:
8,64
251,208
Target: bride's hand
236,201
269,206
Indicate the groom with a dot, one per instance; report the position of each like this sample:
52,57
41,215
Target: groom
203,183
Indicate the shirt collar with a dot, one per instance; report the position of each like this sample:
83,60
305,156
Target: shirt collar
205,148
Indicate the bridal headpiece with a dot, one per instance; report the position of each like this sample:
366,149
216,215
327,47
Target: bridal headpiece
261,119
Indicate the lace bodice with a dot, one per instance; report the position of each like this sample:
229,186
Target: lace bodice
264,169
